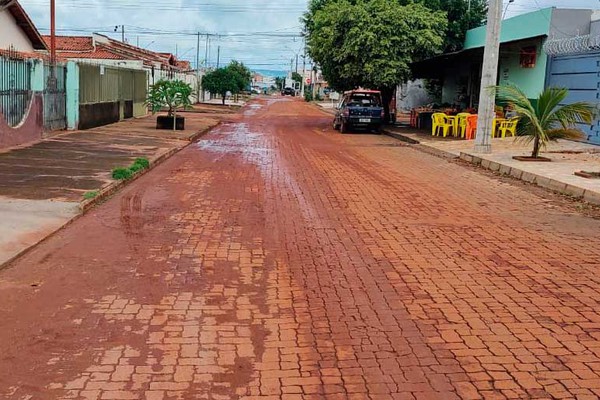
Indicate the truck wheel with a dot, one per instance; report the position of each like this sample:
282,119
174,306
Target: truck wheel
335,126
344,127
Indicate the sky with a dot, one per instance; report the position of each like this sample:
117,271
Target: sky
264,34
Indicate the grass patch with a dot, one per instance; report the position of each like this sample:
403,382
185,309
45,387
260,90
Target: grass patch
90,195
123,174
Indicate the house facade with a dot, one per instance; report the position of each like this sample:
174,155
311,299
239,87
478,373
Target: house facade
22,77
522,59
525,59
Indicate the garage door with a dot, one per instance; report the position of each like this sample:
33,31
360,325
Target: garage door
581,75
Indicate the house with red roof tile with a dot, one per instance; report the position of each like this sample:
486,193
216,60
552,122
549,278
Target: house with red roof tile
101,49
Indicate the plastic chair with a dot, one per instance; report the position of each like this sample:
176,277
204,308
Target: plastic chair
471,128
460,124
508,126
441,122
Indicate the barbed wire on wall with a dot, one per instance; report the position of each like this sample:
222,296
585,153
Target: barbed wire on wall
574,45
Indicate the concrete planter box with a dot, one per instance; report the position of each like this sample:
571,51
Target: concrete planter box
166,122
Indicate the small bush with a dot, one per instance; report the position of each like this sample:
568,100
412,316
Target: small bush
90,195
143,162
121,174
308,96
136,167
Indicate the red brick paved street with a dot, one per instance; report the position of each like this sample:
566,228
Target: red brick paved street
278,259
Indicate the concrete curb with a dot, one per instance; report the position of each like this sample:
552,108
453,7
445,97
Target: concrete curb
400,137
115,186
330,112
419,146
86,205
542,181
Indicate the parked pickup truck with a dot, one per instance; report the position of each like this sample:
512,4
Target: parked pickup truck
359,109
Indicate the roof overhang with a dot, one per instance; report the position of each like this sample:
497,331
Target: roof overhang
25,23
436,67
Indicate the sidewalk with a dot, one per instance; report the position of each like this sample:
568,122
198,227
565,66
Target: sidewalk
558,175
42,185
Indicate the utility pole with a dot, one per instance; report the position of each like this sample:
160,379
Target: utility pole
198,69
206,52
296,62
303,70
52,32
122,32
218,56
489,76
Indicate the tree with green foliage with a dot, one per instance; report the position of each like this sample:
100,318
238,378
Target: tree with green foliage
371,44
234,78
461,17
171,95
219,82
243,75
296,77
279,82
546,119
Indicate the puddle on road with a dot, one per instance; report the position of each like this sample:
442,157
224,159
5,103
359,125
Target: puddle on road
253,109
238,139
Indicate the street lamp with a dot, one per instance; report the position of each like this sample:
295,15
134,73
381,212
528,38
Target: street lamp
506,8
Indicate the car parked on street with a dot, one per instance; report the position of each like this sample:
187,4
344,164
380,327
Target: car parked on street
359,109
288,91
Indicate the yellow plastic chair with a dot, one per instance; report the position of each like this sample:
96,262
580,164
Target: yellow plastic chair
496,124
508,126
460,124
441,122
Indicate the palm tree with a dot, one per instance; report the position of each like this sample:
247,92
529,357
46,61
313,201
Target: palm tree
547,119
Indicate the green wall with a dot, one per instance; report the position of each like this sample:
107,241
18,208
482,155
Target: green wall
518,28
530,80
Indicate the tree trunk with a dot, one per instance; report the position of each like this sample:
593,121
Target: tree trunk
536,147
223,97
386,95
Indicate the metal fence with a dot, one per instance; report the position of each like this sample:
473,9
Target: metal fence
15,88
103,84
55,97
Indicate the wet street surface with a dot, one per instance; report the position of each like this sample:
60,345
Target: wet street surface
278,259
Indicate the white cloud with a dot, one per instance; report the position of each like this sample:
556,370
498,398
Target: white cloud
143,20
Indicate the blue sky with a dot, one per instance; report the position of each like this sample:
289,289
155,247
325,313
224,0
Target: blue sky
169,25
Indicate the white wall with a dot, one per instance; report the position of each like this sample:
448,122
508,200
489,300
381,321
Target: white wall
12,35
412,94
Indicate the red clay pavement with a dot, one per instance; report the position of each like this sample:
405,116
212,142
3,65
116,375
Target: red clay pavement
277,258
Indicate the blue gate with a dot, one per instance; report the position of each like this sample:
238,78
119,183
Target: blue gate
581,75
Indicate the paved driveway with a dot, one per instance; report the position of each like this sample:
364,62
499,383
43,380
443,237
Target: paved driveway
41,185
278,259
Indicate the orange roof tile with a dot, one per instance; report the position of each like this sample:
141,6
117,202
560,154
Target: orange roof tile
71,43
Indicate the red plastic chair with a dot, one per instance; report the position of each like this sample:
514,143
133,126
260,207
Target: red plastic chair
471,127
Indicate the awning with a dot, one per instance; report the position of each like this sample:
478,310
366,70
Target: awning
435,67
